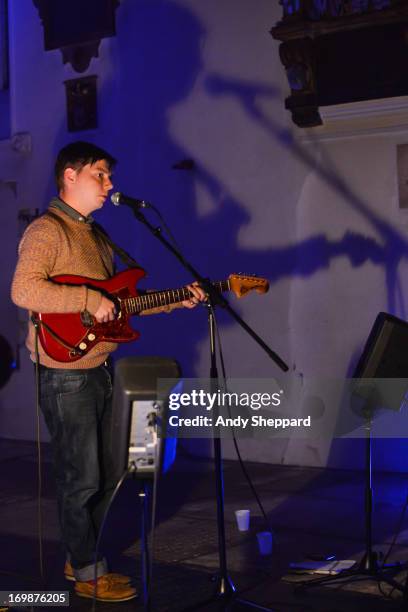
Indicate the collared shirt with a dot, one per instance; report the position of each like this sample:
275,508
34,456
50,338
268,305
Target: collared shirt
71,212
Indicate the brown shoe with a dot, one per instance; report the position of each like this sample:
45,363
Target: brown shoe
118,578
106,590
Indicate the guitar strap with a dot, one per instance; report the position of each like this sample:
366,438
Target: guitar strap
100,231
121,253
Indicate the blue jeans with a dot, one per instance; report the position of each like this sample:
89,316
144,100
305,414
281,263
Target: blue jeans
77,408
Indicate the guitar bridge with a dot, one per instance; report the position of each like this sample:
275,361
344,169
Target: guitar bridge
87,319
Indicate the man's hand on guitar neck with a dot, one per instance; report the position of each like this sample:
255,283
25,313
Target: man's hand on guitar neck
197,296
107,310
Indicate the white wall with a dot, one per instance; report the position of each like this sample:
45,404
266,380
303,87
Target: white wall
250,205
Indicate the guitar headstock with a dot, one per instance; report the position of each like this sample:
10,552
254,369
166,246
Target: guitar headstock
241,284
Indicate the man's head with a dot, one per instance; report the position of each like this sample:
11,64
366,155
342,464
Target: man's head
83,175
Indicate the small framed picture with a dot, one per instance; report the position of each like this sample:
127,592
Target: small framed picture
81,103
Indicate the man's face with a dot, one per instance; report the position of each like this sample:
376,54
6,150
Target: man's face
88,187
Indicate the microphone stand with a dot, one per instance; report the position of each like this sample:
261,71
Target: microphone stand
225,589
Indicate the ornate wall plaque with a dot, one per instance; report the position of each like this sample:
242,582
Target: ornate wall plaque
77,27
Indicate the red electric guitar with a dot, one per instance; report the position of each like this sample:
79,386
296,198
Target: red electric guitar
67,337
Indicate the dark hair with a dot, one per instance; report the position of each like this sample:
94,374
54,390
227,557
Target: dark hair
77,155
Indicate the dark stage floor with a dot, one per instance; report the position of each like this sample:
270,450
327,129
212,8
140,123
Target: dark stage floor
310,511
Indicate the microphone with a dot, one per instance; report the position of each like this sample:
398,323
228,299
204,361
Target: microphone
120,198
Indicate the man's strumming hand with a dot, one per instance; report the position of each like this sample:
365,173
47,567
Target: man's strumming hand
106,311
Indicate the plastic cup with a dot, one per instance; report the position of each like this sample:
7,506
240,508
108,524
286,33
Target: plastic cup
242,517
264,542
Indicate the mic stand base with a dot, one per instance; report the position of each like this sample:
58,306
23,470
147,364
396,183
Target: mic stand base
224,589
228,600
225,592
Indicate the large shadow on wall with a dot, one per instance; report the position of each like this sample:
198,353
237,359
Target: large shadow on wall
389,249
158,63
157,68
154,66
305,258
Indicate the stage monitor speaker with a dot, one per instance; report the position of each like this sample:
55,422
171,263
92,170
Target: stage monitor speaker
136,411
385,355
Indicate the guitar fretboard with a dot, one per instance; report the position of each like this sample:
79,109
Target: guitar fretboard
164,298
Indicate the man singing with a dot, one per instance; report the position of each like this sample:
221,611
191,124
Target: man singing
76,396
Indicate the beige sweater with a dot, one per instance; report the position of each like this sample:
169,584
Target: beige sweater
49,248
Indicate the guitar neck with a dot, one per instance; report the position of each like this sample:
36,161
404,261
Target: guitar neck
156,299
